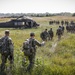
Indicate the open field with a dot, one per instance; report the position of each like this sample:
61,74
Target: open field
55,58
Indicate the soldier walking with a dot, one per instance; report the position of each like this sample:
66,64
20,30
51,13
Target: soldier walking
59,32
30,51
51,34
6,49
44,35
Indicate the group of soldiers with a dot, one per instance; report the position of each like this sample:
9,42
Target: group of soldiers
70,28
61,22
49,34
7,50
7,46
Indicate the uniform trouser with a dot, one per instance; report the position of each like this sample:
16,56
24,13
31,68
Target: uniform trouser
62,32
59,37
50,37
44,39
31,59
4,57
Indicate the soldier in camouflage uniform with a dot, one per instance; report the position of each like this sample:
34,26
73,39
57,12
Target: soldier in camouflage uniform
6,49
51,34
59,32
44,35
62,27
31,57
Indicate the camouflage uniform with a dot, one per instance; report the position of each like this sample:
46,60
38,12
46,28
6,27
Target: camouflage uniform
31,57
6,51
67,28
44,35
59,33
51,34
62,27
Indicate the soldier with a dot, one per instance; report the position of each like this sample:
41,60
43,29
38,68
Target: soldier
62,27
31,50
62,22
59,32
6,47
44,35
51,34
67,28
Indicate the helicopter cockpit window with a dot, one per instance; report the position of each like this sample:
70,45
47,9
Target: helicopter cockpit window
19,23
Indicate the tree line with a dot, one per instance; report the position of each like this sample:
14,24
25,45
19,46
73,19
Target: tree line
14,15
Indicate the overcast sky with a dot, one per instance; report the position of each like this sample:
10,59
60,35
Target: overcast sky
37,6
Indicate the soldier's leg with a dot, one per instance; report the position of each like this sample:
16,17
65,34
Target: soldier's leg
48,37
51,37
62,33
11,59
4,59
59,37
45,39
31,62
24,61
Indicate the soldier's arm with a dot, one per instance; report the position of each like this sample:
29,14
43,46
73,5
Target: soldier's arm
53,33
38,43
1,39
11,46
10,41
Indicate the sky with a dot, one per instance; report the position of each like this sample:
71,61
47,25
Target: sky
37,6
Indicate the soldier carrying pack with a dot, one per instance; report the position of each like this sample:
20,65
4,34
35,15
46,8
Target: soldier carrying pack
6,49
29,49
59,31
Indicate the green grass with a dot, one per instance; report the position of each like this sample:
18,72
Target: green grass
60,62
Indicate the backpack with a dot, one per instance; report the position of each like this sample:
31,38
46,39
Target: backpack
42,35
59,31
4,44
50,32
27,47
62,27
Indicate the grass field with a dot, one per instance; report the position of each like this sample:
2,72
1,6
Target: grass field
59,60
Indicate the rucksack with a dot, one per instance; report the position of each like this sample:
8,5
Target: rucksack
59,31
50,32
27,47
4,44
62,27
42,35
